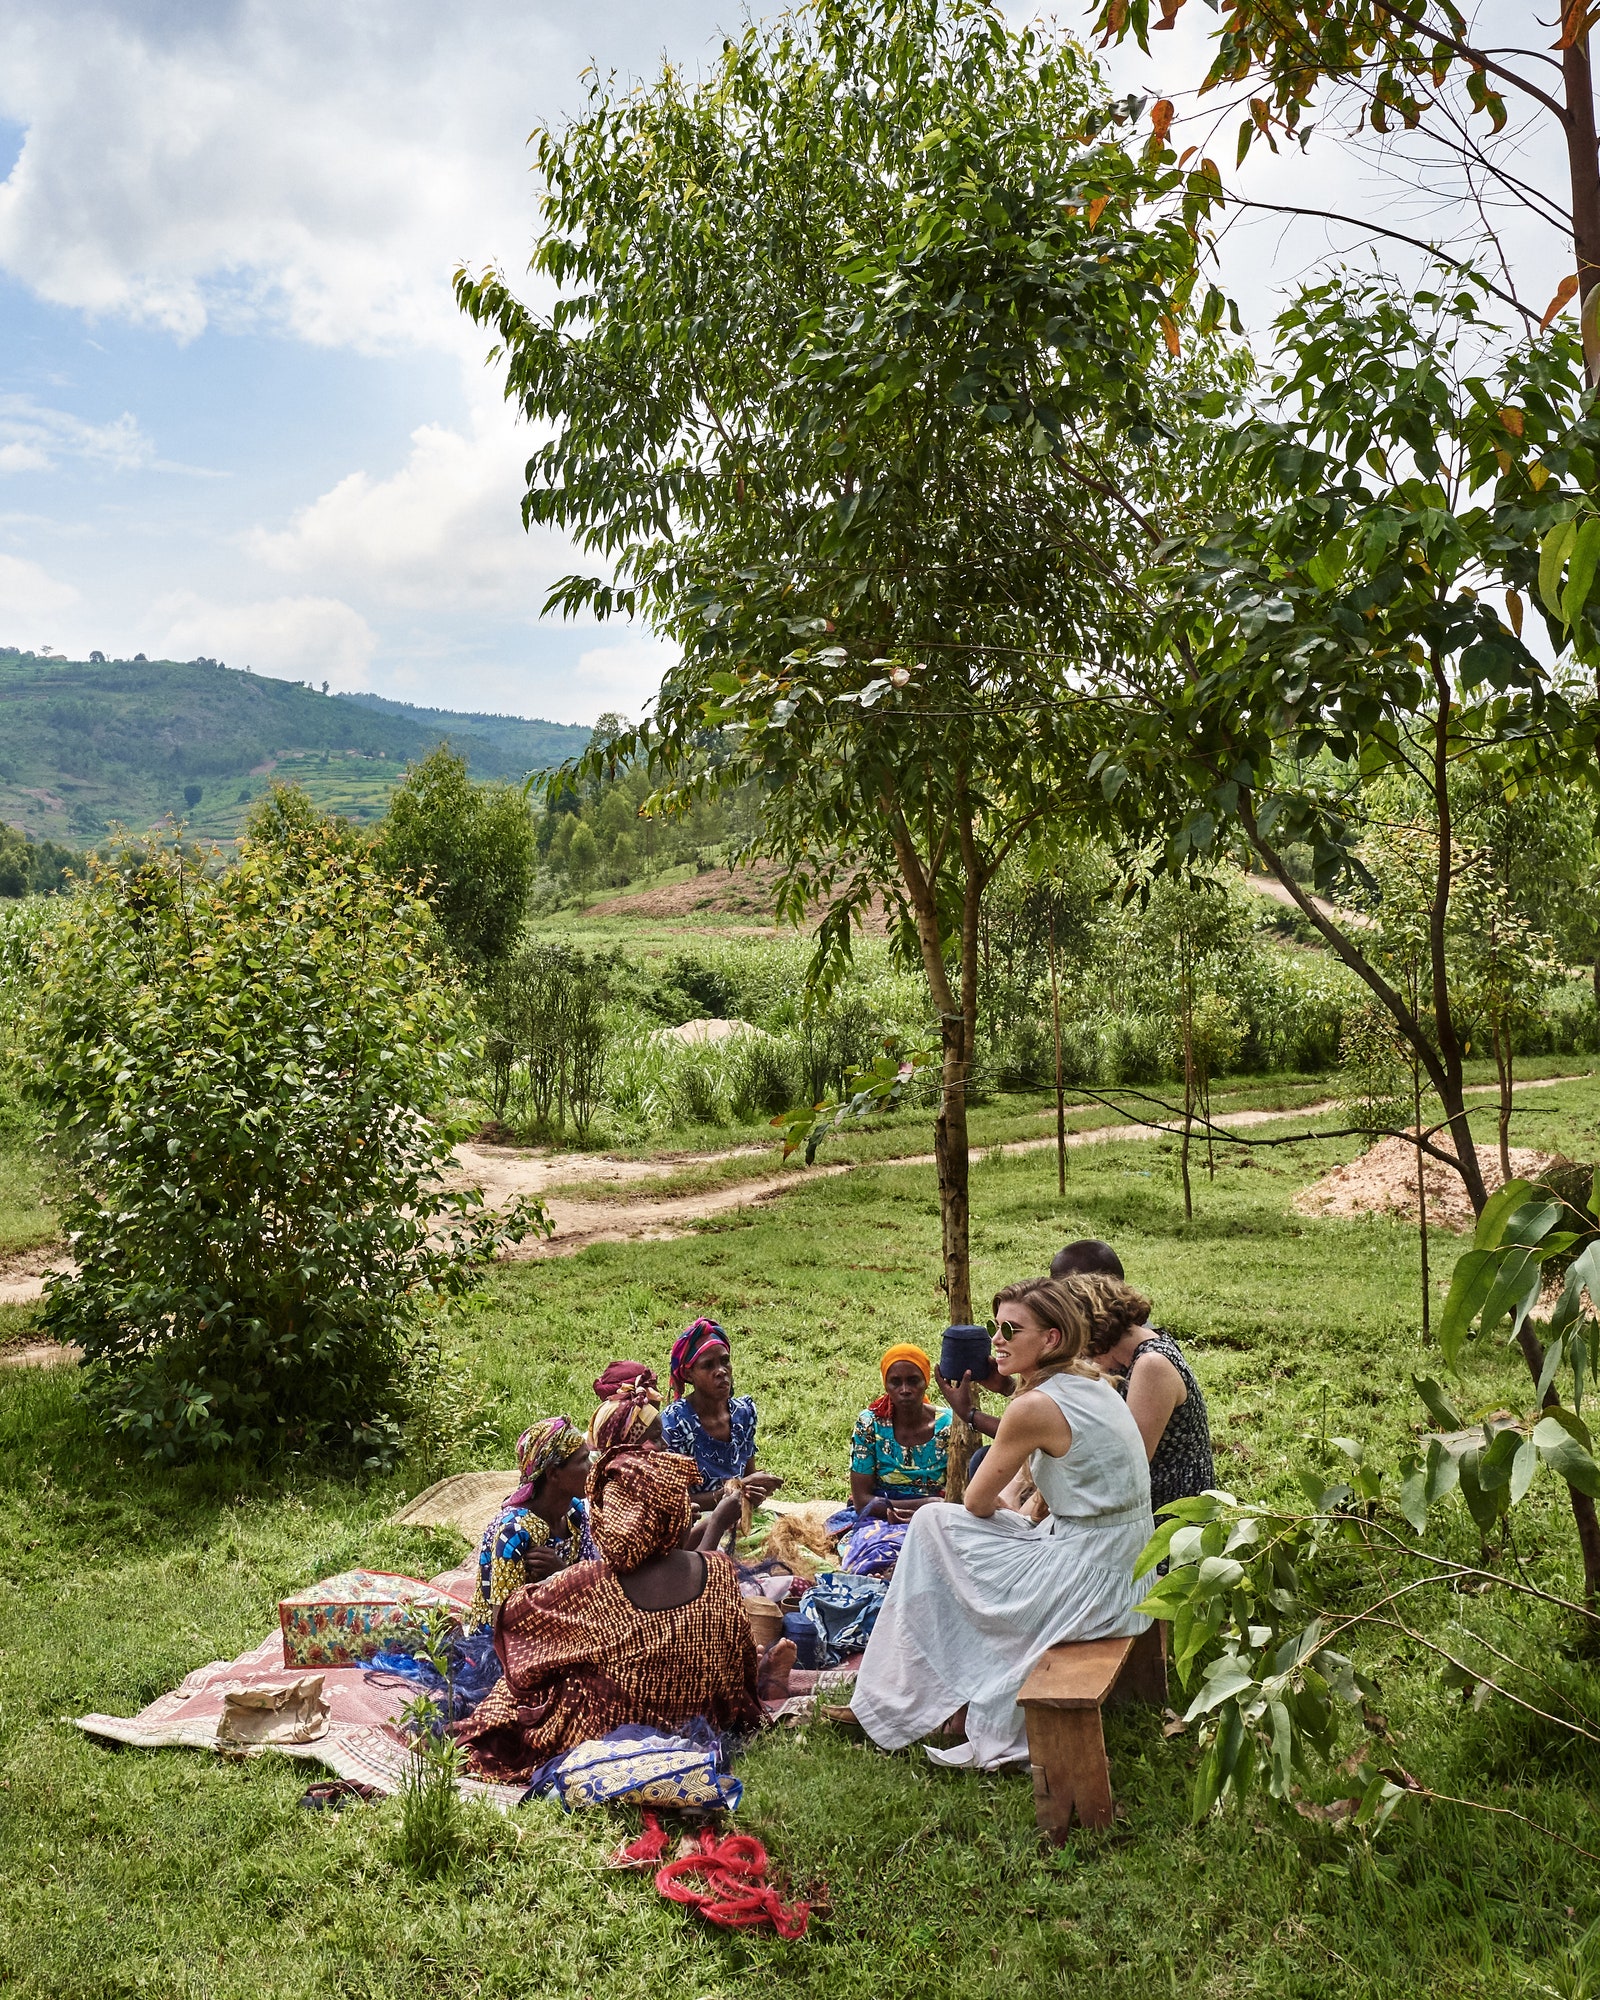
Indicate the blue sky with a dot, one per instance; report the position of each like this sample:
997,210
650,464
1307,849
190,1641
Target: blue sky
239,413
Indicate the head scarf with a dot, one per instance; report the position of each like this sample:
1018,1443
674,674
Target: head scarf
639,1503
620,1375
624,1421
546,1444
902,1351
687,1349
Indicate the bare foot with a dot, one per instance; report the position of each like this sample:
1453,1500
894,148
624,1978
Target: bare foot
772,1673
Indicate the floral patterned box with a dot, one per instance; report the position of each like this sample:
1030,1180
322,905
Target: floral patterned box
345,1619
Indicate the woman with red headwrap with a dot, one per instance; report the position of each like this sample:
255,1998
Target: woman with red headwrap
630,1407
653,1633
706,1421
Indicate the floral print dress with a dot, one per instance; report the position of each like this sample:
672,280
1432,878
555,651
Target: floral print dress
510,1538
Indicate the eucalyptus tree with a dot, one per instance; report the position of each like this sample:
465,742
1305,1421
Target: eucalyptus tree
848,343
1461,104
1342,625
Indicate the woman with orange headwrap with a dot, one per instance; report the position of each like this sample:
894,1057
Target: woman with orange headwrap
899,1461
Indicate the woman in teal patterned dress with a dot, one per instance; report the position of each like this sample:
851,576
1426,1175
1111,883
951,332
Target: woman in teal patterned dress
899,1459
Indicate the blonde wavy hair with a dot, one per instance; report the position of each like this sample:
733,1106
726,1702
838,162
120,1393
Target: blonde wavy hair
1058,1304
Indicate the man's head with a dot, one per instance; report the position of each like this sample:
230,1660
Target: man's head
1089,1257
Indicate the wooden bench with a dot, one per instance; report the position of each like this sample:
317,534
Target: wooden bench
1062,1699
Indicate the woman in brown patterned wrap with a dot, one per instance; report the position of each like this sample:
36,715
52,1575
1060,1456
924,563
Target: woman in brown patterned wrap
653,1633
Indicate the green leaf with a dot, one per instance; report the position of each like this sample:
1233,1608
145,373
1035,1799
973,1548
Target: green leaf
1580,571
1500,1206
1439,1406
1224,1678
1470,1285
1552,560
1483,1507
1495,1464
1524,1467
1566,1457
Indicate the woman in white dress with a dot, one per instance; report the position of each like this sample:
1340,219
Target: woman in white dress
980,1592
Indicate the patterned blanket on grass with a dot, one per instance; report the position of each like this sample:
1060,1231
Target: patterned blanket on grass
363,1739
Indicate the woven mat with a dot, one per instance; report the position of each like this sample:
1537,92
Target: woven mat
466,1501
362,1739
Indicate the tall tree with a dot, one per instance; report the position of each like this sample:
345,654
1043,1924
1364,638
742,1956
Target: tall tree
1342,626
847,343
471,848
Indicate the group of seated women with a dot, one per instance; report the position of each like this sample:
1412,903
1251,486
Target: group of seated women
611,1603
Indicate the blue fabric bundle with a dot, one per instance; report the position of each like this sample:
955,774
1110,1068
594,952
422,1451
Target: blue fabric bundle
843,1610
474,1665
638,1765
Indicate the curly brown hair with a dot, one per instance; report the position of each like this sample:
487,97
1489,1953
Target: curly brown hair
1112,1308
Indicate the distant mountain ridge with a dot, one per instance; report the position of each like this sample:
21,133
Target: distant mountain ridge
538,745
88,743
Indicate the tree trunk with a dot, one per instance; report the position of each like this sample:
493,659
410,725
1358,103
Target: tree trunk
1584,1516
1061,1095
1503,1070
1583,167
1188,1101
957,1035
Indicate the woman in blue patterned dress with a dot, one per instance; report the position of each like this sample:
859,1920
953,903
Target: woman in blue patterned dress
899,1461
707,1422
543,1526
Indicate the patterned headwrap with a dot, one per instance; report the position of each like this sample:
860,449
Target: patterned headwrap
639,1503
544,1445
903,1351
620,1375
624,1421
689,1346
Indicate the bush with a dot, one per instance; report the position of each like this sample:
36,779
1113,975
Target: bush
469,848
240,1069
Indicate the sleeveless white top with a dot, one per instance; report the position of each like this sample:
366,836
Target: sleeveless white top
974,1602
1105,1471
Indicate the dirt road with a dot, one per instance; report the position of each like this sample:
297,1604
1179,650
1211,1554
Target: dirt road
623,1210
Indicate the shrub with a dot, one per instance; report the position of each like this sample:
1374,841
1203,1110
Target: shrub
240,1069
547,1035
470,848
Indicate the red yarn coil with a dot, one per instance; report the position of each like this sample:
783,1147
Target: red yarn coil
734,1892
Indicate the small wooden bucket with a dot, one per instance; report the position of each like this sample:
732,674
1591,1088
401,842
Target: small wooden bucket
766,1621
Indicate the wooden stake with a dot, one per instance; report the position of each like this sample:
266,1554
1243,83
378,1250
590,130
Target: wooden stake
1061,1100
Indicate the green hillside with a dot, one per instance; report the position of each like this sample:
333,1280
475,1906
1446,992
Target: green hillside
88,743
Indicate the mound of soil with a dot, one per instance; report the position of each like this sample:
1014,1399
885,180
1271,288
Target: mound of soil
1384,1182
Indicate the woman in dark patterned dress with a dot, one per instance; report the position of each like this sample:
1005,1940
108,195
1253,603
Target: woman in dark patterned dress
1157,1384
655,1632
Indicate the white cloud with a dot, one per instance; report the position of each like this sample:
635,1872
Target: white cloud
623,677
278,162
289,638
28,593
444,530
35,438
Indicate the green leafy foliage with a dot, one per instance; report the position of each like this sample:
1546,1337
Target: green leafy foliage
240,1067
469,848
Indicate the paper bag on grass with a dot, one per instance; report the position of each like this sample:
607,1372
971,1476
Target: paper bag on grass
297,1713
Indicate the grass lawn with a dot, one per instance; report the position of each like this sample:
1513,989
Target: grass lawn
178,1874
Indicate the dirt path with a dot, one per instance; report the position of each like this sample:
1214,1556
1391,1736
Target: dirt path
623,1210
